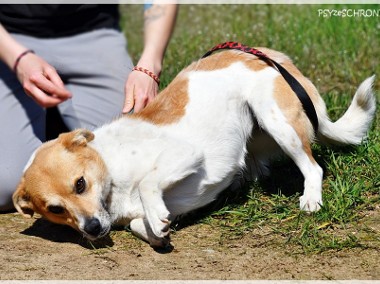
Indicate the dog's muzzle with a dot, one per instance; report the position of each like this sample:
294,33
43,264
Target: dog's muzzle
93,228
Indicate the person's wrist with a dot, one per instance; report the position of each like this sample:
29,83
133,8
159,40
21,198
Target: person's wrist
9,52
151,74
150,61
155,68
19,58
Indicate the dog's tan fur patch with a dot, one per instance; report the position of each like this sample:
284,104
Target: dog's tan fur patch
293,111
169,106
54,184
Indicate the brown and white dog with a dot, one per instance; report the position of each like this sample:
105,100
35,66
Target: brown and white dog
184,148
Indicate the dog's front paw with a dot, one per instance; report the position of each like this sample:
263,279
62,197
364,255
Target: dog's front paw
160,243
310,203
160,225
141,228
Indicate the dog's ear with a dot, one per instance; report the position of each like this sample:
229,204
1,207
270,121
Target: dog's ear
79,137
21,200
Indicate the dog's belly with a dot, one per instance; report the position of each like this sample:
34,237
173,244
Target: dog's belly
194,192
224,146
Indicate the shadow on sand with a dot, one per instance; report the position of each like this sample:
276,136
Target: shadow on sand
64,234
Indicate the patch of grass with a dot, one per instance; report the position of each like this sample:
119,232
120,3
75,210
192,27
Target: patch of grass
336,54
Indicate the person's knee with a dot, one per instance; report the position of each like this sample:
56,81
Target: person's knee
8,186
11,172
13,160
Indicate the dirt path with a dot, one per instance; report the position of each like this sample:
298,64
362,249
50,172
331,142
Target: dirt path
36,249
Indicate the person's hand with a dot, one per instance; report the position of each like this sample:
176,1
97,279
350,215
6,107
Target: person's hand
140,89
41,81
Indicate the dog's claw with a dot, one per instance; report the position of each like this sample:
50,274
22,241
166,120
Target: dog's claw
160,243
310,204
166,228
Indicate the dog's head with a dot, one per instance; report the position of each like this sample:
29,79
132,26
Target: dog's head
66,182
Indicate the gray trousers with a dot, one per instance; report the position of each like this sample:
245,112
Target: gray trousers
94,67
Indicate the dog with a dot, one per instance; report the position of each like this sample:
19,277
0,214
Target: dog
220,116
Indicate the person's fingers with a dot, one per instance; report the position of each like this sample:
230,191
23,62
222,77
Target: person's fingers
42,98
140,90
49,87
152,94
53,76
129,99
140,103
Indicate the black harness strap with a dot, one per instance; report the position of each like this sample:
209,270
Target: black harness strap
293,83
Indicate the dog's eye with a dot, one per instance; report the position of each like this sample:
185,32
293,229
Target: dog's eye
80,185
56,209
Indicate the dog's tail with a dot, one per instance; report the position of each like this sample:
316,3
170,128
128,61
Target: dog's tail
353,126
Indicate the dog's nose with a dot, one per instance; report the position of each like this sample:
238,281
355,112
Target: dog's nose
93,227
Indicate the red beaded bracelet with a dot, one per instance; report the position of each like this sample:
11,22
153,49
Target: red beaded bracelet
149,73
19,58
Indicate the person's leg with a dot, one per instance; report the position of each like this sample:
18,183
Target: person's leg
94,66
21,132
95,69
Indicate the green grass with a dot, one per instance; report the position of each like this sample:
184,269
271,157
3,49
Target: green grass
336,54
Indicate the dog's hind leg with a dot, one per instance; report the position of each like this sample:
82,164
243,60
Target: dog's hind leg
294,141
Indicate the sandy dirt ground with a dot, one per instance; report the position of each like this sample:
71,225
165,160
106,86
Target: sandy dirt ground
36,249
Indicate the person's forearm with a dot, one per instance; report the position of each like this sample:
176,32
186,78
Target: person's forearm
10,49
158,26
